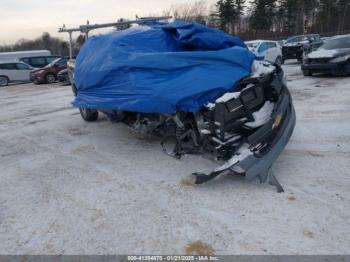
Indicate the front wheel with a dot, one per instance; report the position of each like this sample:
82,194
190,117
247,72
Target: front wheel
4,81
89,115
50,78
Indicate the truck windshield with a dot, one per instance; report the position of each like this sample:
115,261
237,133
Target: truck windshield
337,43
252,45
296,39
53,62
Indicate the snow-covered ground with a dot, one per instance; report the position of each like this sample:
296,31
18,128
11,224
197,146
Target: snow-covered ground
70,187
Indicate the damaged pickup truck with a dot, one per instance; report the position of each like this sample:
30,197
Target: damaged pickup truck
199,90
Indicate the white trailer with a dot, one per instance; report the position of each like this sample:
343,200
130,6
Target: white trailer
16,56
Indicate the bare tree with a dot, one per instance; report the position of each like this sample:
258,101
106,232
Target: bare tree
191,12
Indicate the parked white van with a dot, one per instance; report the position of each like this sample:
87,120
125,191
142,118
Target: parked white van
16,56
269,50
14,72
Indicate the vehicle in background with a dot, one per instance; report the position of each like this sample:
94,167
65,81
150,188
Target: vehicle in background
324,39
70,69
332,57
63,78
14,72
39,61
16,56
296,47
281,42
268,50
48,74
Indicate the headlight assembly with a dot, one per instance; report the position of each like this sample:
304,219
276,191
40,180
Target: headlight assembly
340,59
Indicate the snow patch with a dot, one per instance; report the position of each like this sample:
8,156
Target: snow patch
261,116
322,53
227,97
210,106
260,68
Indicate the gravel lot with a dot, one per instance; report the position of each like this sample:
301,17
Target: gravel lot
70,187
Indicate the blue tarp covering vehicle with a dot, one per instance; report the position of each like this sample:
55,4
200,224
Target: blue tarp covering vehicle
159,68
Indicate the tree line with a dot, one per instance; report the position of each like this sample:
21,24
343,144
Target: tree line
248,19
251,19
56,45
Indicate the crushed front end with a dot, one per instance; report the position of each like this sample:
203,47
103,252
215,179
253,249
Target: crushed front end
248,129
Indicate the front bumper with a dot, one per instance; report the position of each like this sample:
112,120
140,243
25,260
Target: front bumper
274,136
333,68
259,164
39,78
63,78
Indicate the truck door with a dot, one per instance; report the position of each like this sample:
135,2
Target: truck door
263,47
23,72
272,52
10,71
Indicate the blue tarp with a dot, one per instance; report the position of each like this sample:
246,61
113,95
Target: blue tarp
159,68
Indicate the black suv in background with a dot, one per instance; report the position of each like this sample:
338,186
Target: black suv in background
39,61
296,46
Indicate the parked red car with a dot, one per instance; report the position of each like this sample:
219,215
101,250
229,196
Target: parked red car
48,74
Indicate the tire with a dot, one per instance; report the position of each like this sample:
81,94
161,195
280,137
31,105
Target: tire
307,72
279,61
347,69
89,115
4,81
74,90
50,78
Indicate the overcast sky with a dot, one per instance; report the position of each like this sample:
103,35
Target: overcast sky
29,18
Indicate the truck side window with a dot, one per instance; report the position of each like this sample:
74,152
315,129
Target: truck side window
38,61
11,66
25,60
62,62
272,45
22,66
263,47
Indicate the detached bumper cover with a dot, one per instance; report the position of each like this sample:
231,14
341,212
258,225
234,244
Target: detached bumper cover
258,165
274,135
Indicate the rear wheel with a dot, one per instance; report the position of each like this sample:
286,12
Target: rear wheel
4,81
89,115
347,69
74,90
50,78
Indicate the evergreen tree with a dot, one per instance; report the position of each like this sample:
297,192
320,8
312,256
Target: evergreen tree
226,12
239,7
263,13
